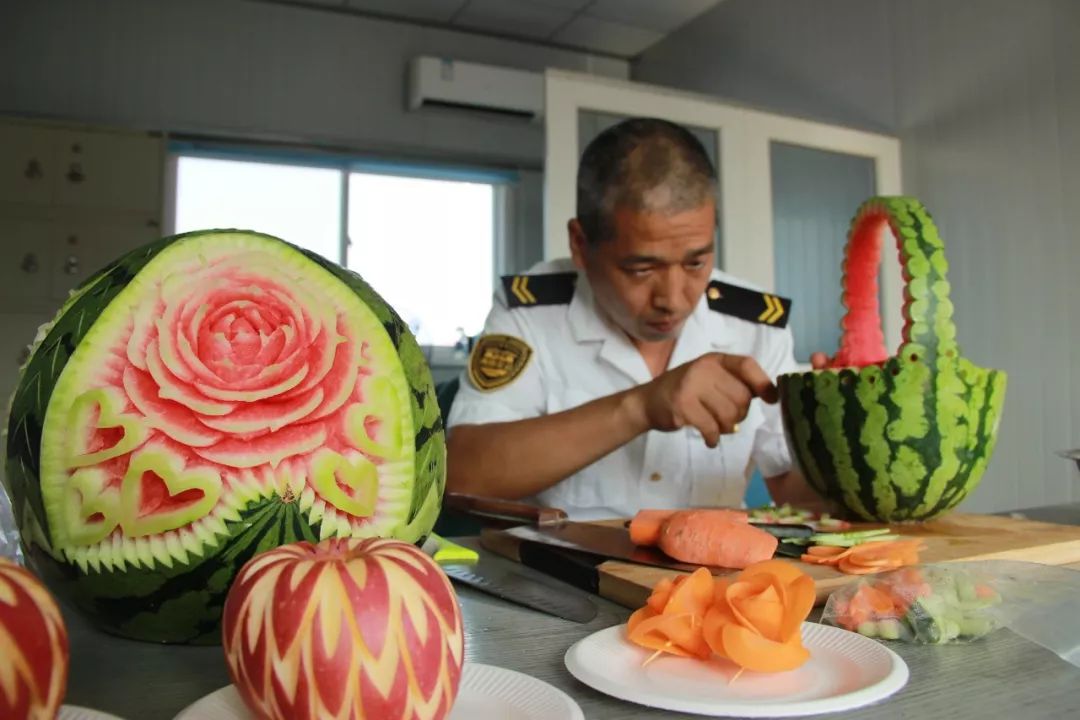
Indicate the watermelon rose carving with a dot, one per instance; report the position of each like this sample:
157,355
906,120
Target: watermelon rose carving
894,437
228,356
205,398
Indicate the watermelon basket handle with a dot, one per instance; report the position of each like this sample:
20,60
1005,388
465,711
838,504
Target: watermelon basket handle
929,331
894,438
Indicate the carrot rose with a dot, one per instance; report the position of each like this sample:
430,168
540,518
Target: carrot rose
753,619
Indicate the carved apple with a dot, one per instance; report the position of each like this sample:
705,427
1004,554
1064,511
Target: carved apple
33,647
346,628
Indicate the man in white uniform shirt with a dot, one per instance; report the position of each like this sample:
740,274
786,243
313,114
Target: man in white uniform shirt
633,375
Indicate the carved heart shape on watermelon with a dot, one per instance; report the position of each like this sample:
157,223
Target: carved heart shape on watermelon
351,486
157,495
364,428
99,432
92,510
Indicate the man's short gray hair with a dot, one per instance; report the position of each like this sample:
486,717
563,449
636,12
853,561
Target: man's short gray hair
641,164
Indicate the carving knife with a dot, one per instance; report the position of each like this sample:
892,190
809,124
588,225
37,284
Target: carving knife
499,578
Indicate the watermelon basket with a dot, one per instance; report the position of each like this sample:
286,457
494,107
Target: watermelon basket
903,437
201,400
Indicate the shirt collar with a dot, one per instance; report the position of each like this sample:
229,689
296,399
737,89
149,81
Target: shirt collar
587,324
703,332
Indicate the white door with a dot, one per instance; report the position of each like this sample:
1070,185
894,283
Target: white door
784,184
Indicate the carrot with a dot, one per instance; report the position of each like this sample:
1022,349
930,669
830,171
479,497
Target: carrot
712,537
646,525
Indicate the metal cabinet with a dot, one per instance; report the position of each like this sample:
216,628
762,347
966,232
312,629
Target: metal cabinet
72,199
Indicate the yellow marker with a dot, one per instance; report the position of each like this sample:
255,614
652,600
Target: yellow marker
450,553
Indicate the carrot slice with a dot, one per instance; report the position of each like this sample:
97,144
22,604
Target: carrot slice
827,550
670,633
753,652
642,613
798,604
756,604
693,595
662,593
783,570
717,618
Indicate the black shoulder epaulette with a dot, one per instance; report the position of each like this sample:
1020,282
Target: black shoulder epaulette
748,304
530,290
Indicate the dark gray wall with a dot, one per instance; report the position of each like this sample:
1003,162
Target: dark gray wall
985,98
257,70
824,59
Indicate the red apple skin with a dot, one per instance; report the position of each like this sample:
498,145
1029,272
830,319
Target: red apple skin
33,647
347,629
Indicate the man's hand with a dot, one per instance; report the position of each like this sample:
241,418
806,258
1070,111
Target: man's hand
711,393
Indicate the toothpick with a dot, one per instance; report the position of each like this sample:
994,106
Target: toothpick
736,676
652,657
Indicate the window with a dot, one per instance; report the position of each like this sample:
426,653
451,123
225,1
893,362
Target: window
427,247
295,203
426,244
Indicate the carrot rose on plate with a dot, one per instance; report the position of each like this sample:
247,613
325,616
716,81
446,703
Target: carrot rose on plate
753,619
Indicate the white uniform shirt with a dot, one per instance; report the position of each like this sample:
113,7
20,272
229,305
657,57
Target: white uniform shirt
579,355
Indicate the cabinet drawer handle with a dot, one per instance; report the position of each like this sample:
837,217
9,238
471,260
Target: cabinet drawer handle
33,170
29,263
75,173
71,265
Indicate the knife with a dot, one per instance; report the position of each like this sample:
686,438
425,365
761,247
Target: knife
571,551
613,542
467,567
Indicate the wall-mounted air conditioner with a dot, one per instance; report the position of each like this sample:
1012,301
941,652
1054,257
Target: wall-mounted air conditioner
438,82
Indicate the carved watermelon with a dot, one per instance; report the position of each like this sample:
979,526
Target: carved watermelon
895,438
206,398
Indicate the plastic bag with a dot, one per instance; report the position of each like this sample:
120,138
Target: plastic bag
962,602
9,532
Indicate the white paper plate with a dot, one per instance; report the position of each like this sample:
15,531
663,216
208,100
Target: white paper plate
486,693
73,712
845,671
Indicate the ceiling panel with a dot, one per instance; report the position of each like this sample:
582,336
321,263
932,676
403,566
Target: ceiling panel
623,28
430,10
514,17
563,4
607,36
660,15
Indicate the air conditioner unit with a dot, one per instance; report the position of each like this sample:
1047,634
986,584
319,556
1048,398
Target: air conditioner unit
438,82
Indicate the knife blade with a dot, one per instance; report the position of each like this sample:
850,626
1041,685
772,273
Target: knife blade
467,567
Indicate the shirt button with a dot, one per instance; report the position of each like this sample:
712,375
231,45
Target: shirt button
656,477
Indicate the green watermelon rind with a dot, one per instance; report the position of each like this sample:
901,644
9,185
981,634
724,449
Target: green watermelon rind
136,602
909,438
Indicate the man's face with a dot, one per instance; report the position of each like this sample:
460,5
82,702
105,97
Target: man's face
651,274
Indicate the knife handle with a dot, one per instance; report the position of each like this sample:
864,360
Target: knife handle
503,509
577,569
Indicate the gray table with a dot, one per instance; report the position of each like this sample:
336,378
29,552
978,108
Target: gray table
1002,676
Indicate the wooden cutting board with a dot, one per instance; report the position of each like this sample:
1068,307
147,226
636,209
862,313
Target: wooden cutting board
954,537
